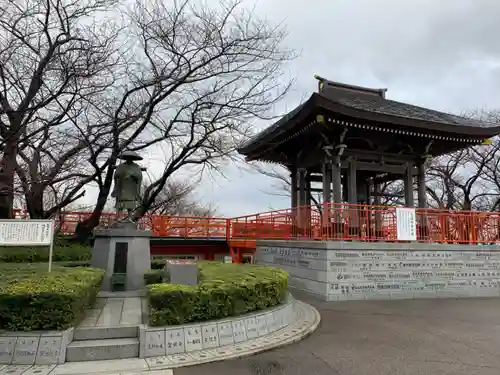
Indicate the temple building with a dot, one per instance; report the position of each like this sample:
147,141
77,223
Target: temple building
353,138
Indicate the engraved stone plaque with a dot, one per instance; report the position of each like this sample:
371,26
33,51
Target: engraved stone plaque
193,338
120,264
252,328
155,343
271,322
262,325
225,333
174,340
25,352
279,317
48,350
210,336
239,331
7,345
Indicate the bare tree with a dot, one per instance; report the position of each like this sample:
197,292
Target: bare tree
187,81
52,61
177,199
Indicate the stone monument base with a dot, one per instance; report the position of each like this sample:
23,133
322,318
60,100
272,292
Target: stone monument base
124,252
338,271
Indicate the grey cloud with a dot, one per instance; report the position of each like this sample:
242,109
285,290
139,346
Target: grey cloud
435,53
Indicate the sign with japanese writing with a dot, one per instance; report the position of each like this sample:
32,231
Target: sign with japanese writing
20,232
406,224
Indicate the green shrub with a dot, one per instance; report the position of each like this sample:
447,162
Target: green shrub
75,263
154,277
224,290
33,299
157,264
64,251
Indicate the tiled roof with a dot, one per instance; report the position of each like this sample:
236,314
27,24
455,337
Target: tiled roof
377,104
337,96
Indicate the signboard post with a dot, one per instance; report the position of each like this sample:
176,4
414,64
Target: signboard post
406,224
21,232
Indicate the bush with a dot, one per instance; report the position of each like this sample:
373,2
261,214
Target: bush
224,290
63,252
33,299
157,264
154,277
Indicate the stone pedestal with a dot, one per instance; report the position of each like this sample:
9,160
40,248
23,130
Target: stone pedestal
123,251
182,272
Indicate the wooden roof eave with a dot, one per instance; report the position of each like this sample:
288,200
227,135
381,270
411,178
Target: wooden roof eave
472,131
317,102
264,143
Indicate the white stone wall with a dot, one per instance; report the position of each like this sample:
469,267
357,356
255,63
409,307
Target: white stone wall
351,271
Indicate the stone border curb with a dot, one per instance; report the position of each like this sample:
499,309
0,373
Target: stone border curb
34,348
214,334
307,320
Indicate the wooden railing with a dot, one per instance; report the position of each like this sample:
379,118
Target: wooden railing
324,222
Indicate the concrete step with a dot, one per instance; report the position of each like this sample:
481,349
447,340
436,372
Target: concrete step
97,350
100,333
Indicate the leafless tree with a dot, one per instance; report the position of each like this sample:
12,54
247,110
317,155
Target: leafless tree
177,199
53,60
187,80
196,80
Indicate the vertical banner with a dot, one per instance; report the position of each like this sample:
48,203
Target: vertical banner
406,224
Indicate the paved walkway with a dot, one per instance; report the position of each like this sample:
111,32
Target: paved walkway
431,337
115,312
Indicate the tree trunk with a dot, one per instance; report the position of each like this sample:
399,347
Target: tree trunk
7,171
34,203
84,229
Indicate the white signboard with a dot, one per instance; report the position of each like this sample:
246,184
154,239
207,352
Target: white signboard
406,224
228,259
26,232
21,232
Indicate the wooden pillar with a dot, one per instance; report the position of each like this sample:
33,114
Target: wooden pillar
351,183
294,196
293,186
307,209
327,193
302,200
423,232
352,197
422,194
378,214
408,183
336,184
301,187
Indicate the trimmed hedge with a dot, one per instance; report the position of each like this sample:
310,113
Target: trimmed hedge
158,264
33,299
64,251
155,277
224,290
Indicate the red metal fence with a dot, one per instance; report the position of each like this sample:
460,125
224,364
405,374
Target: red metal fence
323,222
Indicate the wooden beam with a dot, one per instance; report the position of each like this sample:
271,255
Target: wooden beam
377,156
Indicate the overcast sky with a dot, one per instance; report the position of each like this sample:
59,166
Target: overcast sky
442,54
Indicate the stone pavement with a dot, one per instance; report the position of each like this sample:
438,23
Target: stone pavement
115,312
412,337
